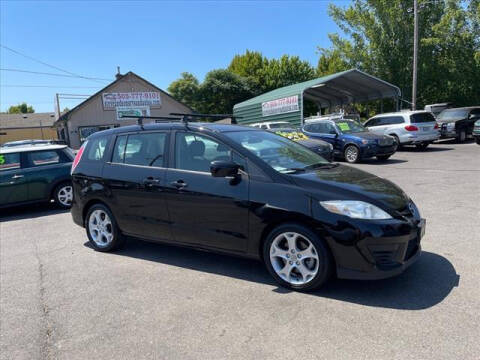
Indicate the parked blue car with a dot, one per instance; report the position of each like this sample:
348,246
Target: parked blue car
351,140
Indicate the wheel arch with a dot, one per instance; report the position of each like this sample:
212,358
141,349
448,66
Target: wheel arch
55,185
89,204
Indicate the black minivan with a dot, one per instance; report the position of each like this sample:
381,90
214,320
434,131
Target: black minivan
243,191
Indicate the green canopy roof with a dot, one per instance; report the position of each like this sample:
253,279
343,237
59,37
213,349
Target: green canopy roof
332,90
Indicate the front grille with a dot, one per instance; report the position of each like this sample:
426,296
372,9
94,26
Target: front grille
384,257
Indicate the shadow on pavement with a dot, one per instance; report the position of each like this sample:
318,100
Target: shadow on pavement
425,284
431,148
30,211
373,161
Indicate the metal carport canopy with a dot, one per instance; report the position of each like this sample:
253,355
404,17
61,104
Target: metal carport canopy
332,90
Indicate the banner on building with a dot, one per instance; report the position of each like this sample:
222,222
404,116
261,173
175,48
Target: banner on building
280,106
124,111
133,99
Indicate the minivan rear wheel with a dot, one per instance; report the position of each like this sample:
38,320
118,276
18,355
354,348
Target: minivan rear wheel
102,229
462,136
297,258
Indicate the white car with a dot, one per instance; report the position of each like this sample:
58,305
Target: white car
268,125
417,128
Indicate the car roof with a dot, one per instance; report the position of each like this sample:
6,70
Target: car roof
464,108
32,147
404,112
213,127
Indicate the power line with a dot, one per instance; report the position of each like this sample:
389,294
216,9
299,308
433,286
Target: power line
49,86
52,74
46,64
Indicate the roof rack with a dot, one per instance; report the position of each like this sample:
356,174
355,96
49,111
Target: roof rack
207,116
156,118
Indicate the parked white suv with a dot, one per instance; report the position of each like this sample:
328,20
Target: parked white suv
272,125
417,128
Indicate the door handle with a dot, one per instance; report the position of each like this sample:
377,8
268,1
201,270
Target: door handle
179,184
17,176
151,181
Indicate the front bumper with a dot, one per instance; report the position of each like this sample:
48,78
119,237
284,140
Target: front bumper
375,150
370,250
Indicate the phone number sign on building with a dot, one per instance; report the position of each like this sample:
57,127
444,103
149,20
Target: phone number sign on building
280,106
113,100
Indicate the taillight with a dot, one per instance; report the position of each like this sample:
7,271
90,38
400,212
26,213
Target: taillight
411,128
78,157
436,126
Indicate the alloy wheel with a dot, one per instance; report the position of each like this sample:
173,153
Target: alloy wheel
100,228
351,154
65,195
294,258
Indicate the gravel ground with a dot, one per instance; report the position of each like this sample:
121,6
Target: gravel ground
61,300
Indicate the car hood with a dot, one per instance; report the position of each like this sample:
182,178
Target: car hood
367,135
349,183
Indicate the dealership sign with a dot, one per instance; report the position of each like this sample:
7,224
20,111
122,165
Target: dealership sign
112,100
280,106
126,111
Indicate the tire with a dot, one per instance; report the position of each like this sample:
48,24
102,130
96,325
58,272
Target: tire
351,154
462,136
102,230
422,146
397,142
383,157
477,139
280,253
63,195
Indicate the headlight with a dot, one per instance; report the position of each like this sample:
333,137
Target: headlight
355,209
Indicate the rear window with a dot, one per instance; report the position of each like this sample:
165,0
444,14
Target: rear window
421,118
9,161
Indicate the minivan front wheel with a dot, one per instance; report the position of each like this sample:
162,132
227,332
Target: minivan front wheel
63,195
102,230
297,258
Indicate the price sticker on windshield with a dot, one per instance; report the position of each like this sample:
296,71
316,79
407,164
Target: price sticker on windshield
2,159
343,126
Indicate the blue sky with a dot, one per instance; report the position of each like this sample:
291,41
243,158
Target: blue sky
156,39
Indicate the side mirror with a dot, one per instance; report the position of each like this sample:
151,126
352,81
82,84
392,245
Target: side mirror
221,168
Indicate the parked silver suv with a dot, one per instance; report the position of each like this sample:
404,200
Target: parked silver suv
417,128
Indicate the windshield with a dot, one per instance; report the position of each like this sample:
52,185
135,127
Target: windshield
453,114
280,125
277,151
349,127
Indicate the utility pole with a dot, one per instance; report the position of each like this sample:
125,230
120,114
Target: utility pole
415,54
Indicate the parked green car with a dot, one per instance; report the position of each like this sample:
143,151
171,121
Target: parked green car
35,173
476,131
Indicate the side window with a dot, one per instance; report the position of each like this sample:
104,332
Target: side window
39,158
330,129
195,152
265,127
475,112
397,120
96,148
371,122
9,161
140,149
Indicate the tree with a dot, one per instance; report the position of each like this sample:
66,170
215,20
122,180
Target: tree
22,108
285,71
185,89
379,41
222,89
331,61
250,66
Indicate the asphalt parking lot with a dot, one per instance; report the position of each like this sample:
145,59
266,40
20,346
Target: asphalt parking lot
60,299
